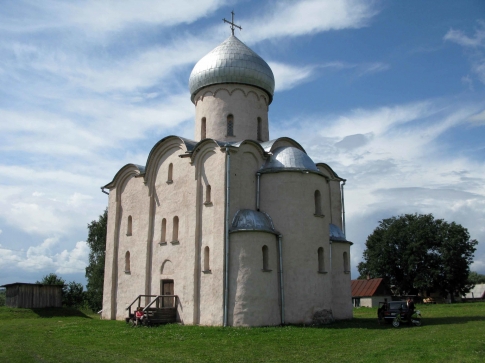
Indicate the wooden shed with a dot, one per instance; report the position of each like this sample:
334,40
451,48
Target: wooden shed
369,292
32,296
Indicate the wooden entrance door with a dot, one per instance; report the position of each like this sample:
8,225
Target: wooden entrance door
166,288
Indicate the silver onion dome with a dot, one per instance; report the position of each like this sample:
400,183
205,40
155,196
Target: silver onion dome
289,158
232,62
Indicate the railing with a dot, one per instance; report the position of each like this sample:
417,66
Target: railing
163,301
139,302
160,301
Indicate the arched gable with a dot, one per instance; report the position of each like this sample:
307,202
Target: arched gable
328,171
122,176
158,152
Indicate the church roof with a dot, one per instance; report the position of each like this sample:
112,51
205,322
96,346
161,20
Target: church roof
232,62
289,158
336,234
251,220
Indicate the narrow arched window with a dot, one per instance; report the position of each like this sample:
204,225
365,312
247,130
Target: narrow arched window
203,128
163,237
346,262
265,258
260,131
175,231
127,261
206,259
129,227
208,194
230,125
321,261
318,203
170,173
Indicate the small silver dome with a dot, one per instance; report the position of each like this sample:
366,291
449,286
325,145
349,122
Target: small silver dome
232,62
289,158
251,220
336,234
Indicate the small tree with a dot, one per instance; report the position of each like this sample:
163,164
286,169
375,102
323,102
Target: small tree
53,279
475,278
95,270
75,295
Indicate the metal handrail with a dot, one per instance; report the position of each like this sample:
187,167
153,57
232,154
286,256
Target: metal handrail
158,298
139,300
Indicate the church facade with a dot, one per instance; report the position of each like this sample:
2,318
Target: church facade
245,230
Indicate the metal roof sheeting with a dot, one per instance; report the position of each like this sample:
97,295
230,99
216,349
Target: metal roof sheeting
361,288
251,220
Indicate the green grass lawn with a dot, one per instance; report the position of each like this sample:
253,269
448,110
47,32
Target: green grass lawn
450,333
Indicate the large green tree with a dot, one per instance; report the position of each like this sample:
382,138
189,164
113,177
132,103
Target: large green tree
419,253
95,270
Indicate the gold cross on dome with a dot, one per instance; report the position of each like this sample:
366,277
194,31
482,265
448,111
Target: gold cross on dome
232,23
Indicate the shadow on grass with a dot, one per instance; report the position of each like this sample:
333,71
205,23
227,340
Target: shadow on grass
59,312
366,323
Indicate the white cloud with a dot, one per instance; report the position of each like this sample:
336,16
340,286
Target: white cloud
102,15
47,257
476,43
287,76
457,36
291,19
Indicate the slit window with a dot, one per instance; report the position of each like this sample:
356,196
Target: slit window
127,261
175,231
265,258
346,262
318,203
163,237
129,227
321,261
206,259
208,194
259,130
170,173
203,128
230,125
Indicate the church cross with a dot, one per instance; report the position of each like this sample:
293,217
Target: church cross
232,23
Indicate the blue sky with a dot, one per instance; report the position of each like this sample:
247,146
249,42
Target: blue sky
390,94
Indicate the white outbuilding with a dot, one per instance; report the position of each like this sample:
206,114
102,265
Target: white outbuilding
244,230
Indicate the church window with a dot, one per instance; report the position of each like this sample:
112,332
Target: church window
203,128
259,131
318,203
206,259
265,258
346,263
230,125
163,237
170,173
208,195
175,231
127,262
321,261
129,227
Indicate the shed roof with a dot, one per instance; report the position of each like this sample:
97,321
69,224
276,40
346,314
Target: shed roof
368,287
478,292
29,283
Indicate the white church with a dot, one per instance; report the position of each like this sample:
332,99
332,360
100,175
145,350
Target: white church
242,229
